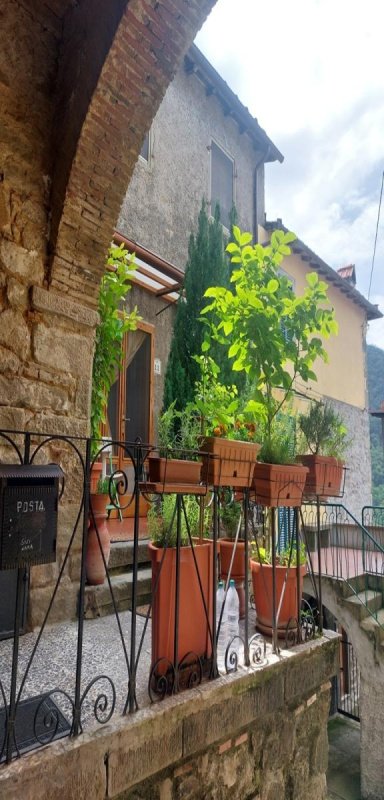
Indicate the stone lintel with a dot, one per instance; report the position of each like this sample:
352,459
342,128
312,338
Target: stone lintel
54,303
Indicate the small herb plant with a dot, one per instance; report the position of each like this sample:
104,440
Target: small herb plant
178,433
285,557
323,431
162,521
271,334
102,486
114,323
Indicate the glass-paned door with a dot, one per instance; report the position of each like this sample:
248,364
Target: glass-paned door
130,403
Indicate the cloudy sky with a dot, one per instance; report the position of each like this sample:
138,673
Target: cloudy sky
312,72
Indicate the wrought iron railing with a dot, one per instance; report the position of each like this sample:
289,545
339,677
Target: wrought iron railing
60,678
345,549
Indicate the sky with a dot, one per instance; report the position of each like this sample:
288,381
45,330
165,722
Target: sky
312,73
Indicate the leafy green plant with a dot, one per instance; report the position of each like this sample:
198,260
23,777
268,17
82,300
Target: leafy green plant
162,521
271,334
323,431
102,486
114,323
285,557
178,433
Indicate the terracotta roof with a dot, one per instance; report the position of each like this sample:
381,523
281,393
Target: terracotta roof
330,275
348,273
195,63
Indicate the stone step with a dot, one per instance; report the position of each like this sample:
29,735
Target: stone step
375,627
122,555
362,603
98,600
357,584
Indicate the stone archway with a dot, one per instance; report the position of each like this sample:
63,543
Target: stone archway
79,86
80,83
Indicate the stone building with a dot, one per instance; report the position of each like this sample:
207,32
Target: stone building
204,143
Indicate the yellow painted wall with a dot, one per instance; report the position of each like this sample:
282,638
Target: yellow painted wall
343,378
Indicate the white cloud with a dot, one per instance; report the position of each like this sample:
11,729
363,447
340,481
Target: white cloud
311,71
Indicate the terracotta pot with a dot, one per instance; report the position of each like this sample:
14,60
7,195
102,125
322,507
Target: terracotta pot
95,475
193,629
94,565
173,470
262,592
226,547
324,476
229,463
279,484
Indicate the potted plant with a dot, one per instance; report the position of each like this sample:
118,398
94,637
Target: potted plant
98,540
324,435
177,462
286,602
114,322
194,623
229,440
274,336
278,479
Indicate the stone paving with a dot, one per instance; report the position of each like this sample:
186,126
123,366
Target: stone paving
54,663
343,777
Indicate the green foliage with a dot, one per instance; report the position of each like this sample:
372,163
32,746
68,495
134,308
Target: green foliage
161,519
279,447
102,486
114,322
268,332
375,369
323,431
207,264
284,558
229,516
178,432
220,407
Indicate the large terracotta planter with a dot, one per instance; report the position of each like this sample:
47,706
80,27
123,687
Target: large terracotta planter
173,470
228,462
262,593
324,477
94,564
279,484
193,629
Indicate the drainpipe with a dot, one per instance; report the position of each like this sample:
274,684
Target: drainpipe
260,161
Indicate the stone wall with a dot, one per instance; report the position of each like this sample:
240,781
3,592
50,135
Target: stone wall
163,200
258,735
358,479
79,86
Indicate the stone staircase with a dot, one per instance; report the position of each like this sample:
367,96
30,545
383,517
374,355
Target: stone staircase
363,596
98,600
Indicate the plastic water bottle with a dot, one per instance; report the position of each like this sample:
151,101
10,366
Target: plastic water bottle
223,634
233,612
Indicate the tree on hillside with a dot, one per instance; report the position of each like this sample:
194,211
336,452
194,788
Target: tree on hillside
375,368
207,265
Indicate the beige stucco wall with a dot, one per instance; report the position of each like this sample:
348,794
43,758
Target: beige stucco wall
343,377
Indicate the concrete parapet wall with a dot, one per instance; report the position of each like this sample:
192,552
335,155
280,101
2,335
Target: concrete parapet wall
258,734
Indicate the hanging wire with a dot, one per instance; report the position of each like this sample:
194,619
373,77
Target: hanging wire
377,229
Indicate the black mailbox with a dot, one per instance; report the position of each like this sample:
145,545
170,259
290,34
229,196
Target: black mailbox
29,496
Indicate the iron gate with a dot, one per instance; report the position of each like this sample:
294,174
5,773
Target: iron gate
348,682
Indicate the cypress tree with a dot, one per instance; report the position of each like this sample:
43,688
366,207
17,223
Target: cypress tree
207,265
